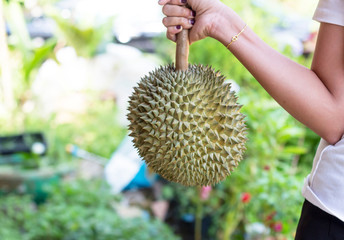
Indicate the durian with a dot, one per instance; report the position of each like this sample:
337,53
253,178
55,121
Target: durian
187,125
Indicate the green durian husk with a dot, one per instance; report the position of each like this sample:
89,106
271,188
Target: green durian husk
187,125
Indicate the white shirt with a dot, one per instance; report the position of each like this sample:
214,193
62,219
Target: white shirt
324,186
330,11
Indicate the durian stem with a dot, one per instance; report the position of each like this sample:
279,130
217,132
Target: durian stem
198,218
182,50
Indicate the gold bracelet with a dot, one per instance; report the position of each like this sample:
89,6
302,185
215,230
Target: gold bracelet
236,36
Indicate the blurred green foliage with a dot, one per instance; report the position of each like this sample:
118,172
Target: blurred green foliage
86,40
31,57
75,210
99,131
96,130
278,157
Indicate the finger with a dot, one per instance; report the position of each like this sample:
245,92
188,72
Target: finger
173,2
177,11
173,31
175,21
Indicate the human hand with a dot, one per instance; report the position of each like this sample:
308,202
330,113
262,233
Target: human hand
203,19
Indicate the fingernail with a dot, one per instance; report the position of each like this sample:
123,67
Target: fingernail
192,21
194,13
183,1
178,27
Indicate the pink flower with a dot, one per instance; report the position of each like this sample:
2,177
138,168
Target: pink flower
278,226
205,192
245,197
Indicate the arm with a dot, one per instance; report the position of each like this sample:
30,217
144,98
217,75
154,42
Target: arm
314,96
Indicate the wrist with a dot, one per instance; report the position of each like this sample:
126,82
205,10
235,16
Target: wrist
226,25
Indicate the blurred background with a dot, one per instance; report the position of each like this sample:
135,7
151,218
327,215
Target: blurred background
67,167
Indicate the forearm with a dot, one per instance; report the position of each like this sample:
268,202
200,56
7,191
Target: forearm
297,89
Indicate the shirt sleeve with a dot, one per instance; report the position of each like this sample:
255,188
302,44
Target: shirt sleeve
330,11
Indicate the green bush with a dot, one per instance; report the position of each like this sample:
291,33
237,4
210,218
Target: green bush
76,210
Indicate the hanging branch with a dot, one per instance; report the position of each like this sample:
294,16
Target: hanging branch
6,95
199,216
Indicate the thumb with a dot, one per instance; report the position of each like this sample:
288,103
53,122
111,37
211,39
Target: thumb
195,34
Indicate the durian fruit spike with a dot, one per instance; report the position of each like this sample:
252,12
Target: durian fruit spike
187,124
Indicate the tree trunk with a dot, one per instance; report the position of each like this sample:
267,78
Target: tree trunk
6,89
